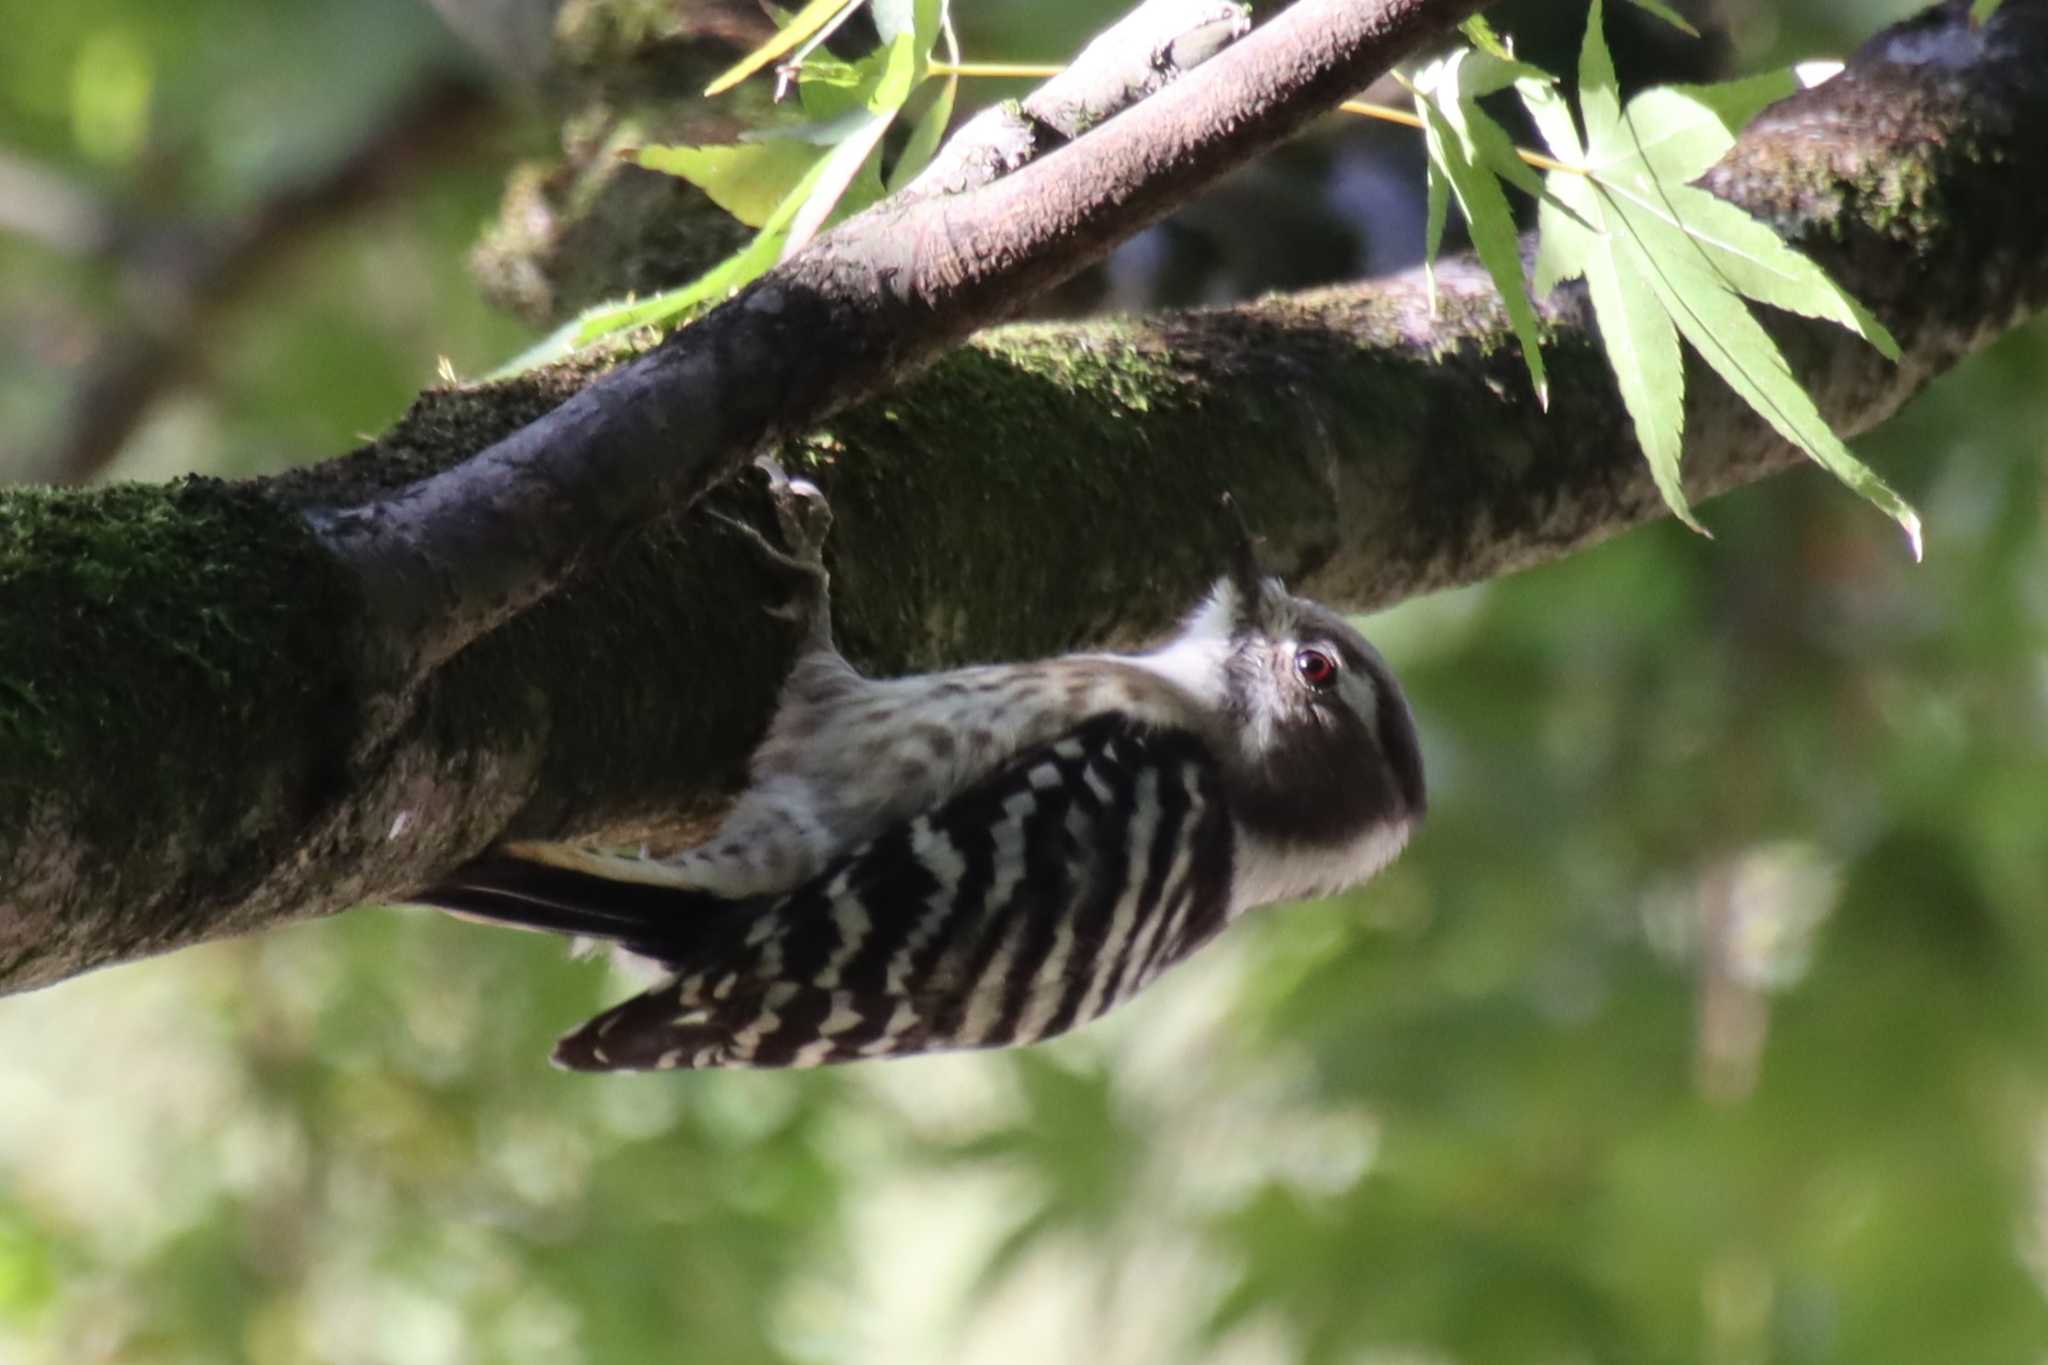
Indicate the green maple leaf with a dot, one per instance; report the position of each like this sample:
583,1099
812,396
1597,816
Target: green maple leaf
1663,259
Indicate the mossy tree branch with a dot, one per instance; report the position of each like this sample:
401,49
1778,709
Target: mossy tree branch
205,726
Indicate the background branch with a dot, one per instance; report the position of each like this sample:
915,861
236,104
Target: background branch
183,275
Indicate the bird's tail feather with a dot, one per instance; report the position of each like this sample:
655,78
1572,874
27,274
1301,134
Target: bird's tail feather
653,920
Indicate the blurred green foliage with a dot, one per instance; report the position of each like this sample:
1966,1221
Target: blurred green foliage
175,119
1700,1024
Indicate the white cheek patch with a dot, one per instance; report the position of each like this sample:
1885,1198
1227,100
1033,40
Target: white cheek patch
1269,872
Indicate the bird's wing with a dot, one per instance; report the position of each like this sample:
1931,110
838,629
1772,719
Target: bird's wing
1029,903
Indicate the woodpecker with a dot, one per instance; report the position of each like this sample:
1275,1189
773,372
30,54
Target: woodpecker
987,856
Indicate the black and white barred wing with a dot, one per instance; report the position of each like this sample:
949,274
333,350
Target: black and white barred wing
1031,903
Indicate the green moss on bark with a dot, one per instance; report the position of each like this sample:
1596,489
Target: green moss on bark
148,633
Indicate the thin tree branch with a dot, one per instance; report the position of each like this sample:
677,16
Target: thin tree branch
874,300
1156,43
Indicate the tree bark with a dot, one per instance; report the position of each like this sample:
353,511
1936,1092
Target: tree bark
227,706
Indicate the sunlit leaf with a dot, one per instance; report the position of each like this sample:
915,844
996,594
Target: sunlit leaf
822,70
736,270
1681,130
883,79
1660,255
808,21
1455,158
1599,96
747,180
1480,34
1718,324
1562,244
1437,190
1741,254
932,18
1677,135
1491,147
1473,75
1642,349
849,179
898,76
1553,119
1638,337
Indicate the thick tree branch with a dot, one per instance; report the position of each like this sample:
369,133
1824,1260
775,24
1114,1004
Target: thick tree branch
201,730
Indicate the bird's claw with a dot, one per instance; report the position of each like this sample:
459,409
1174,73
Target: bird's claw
804,518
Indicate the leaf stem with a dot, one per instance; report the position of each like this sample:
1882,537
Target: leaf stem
1386,113
1014,70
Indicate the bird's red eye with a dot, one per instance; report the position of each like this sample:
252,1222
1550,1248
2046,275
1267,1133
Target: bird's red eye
1315,668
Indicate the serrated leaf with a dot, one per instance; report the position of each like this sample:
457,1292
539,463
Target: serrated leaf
1717,324
1480,34
1735,103
1436,187
1492,148
925,136
1562,242
1599,96
809,20
1547,110
1457,83
1437,190
1678,131
1741,254
747,180
1660,256
1492,229
1642,349
1476,75
1668,15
